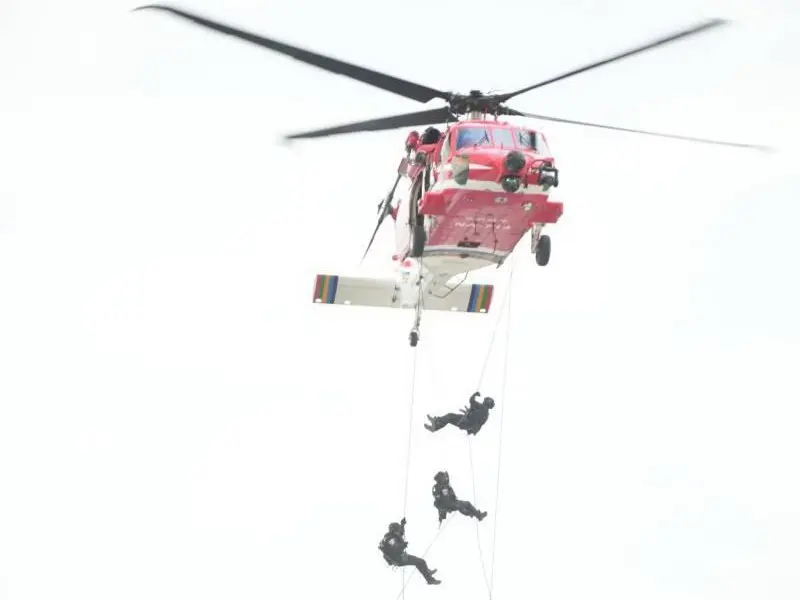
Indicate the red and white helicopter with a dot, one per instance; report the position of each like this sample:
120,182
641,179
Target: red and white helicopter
472,191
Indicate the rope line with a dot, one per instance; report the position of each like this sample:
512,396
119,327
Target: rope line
477,523
434,359
408,447
491,342
410,428
505,309
411,423
424,554
500,435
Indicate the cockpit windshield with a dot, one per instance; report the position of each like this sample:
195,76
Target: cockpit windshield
497,137
503,138
473,136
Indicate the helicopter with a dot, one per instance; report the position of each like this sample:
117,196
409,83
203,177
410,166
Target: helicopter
472,191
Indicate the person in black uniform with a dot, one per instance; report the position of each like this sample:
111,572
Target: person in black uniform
471,418
445,500
393,545
430,136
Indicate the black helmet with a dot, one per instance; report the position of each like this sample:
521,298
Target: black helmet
394,528
489,402
431,135
441,477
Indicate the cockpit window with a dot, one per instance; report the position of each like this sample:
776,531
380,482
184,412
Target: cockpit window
500,137
473,136
503,138
541,145
525,139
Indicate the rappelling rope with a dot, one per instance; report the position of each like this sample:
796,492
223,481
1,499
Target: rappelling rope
503,310
411,428
507,310
500,438
424,554
477,525
411,407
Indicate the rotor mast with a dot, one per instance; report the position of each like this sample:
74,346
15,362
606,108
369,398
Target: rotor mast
475,108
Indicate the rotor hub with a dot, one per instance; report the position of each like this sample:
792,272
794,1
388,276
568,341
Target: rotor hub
474,102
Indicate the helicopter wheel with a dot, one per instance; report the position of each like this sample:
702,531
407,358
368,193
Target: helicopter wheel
413,338
543,251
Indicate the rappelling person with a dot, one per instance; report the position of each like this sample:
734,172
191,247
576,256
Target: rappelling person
445,500
393,545
471,418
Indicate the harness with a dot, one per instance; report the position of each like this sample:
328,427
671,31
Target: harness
442,493
392,553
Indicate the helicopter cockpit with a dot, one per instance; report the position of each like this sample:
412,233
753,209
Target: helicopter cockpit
497,136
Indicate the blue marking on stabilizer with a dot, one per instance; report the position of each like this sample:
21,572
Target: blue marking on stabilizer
332,287
473,297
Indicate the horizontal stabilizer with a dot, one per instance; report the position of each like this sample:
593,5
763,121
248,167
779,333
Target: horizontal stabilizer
363,291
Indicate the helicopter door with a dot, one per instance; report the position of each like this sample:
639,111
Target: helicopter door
418,188
408,216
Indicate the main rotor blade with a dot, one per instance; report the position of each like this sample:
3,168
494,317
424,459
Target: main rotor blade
517,113
423,117
654,44
404,88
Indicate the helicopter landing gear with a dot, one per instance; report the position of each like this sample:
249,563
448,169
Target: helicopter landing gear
543,251
540,246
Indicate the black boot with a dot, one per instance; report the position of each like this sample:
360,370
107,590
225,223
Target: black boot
431,579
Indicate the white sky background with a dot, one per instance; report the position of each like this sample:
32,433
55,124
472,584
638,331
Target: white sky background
178,420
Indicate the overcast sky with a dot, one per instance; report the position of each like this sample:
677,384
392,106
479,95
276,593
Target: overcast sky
178,420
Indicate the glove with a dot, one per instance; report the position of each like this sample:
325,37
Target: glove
403,521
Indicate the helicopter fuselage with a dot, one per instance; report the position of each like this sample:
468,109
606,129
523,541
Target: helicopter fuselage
476,192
